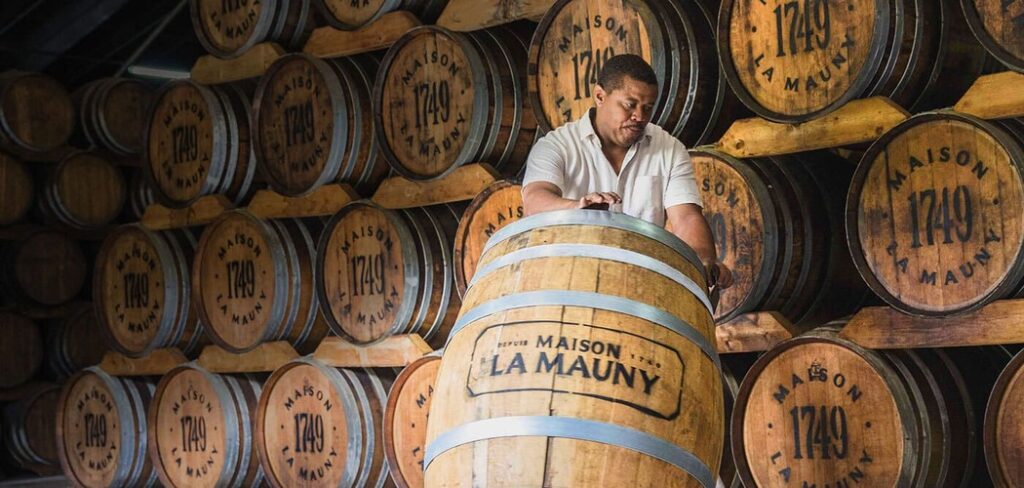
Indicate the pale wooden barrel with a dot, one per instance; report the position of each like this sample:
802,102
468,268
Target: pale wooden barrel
21,351
320,426
228,28
101,430
36,113
112,113
313,124
496,206
405,420
29,431
43,267
932,215
198,143
348,15
1002,438
84,191
252,282
200,428
74,343
580,340
15,190
999,26
141,291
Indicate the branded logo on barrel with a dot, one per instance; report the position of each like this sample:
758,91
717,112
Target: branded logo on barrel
297,133
306,433
368,253
137,307
98,433
241,294
183,158
195,453
579,359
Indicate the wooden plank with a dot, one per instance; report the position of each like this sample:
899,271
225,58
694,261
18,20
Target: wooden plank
263,359
158,363
752,332
995,96
211,70
326,200
202,212
470,15
858,121
392,352
885,328
328,42
464,183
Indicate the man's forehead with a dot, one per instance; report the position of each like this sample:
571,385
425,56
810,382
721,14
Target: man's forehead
636,89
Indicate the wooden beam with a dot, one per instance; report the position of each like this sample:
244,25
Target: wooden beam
323,201
858,121
752,332
886,328
470,15
264,358
464,183
211,70
203,211
995,96
328,42
157,363
392,352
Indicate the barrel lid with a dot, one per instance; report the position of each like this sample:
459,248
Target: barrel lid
94,448
815,410
933,214
353,15
89,189
228,28
405,420
496,206
125,107
999,26
37,112
15,189
50,267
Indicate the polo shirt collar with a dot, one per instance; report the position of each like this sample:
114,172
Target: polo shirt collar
588,132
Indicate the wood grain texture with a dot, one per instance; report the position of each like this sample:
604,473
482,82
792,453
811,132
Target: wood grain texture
392,352
231,29
753,332
498,205
470,15
16,193
203,211
346,15
405,421
1002,437
857,121
886,328
111,114
43,267
999,26
36,111
328,42
995,96
211,70
74,342
156,363
323,201
263,358
84,191
464,183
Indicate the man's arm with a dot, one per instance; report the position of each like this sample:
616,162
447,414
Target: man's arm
543,196
687,222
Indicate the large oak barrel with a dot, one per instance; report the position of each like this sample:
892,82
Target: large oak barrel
36,113
584,354
30,434
74,342
405,420
252,282
197,143
200,429
320,426
498,205
21,351
84,191
443,99
42,267
999,26
15,190
933,213
101,430
777,223
821,410
349,15
228,28
382,272
112,113
313,124
1002,426
576,37
141,291
792,62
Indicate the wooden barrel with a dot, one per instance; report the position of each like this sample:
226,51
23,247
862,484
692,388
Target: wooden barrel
21,351
999,26
16,193
405,420
794,62
583,354
197,143
314,124
29,431
101,430
36,113
140,195
43,267
112,113
252,282
576,37
141,291
228,28
84,191
200,429
74,343
498,205
444,99
1002,427
768,217
320,426
349,15
932,212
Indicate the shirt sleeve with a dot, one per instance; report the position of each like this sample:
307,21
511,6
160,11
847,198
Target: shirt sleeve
546,162
682,184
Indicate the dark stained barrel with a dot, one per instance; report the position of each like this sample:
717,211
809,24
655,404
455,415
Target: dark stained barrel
999,26
791,62
1002,427
42,267
228,28
252,282
313,124
21,351
443,99
140,195
200,428
84,191
198,143
349,15
112,113
74,342
932,215
36,113
30,433
16,194
496,206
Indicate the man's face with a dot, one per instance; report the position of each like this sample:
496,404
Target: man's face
623,113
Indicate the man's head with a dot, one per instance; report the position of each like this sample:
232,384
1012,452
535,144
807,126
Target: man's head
626,92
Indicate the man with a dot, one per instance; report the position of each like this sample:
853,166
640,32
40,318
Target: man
613,155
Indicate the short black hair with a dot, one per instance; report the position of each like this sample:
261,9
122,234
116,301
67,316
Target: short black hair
622,65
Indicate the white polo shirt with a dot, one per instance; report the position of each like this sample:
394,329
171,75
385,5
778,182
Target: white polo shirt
656,173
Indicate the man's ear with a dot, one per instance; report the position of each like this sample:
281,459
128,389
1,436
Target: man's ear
599,95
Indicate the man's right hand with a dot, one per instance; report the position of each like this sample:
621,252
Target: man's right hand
598,198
